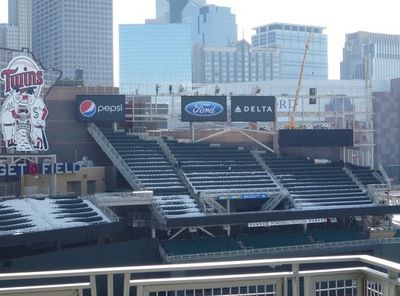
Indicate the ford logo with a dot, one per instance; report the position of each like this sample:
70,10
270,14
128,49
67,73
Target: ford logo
204,108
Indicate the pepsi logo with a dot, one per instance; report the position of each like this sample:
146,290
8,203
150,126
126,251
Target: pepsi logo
88,108
204,108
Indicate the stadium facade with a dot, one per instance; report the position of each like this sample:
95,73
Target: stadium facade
199,174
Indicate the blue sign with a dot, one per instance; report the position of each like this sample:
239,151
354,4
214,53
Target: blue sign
33,169
101,108
203,108
243,196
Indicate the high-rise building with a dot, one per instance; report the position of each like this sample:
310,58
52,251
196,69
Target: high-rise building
18,32
75,37
162,11
238,62
20,15
170,11
155,53
292,39
380,51
211,25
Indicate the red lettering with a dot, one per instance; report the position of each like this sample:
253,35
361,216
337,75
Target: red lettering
21,80
39,78
6,73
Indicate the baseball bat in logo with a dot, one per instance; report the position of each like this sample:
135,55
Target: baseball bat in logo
24,112
87,108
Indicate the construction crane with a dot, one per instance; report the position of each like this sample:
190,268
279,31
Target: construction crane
292,124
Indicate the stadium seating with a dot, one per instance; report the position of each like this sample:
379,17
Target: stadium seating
12,220
274,239
335,235
147,160
316,185
364,174
21,215
200,245
220,169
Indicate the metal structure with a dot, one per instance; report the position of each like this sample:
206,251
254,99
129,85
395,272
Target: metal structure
292,123
115,157
337,104
362,275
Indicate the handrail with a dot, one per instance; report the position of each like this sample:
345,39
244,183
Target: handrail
354,178
385,175
367,259
362,267
252,251
109,149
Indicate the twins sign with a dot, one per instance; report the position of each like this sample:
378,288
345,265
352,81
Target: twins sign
23,113
204,108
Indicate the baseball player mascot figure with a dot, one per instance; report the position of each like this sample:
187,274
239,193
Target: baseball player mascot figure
23,114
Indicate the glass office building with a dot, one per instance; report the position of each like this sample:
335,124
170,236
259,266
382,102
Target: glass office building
381,50
155,53
238,62
17,33
170,11
75,37
291,39
211,25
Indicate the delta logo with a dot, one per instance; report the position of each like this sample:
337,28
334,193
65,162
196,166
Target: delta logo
88,108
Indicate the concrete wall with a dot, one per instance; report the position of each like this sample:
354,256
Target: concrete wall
229,138
42,183
386,106
68,138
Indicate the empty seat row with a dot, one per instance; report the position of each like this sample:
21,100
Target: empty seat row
149,164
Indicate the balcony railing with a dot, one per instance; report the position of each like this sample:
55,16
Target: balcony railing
346,275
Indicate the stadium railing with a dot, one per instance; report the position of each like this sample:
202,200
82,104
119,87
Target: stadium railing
277,250
348,275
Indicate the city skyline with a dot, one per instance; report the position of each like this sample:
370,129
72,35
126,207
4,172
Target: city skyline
355,16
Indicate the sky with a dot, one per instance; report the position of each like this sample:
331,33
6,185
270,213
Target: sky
338,16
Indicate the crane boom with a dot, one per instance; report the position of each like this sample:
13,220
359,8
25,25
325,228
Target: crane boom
292,123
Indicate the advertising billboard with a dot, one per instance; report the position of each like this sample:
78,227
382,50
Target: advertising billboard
101,108
252,108
203,108
23,114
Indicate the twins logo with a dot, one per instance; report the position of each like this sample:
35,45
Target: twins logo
23,113
88,108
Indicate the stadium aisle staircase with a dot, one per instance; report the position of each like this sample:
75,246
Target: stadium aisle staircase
316,185
150,166
213,169
364,174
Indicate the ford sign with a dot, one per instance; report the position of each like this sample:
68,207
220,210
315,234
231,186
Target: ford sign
205,108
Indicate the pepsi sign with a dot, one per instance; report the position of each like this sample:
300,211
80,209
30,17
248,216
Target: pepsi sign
101,108
204,108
